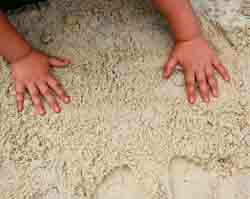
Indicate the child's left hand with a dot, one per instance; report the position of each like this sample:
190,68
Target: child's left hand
32,74
199,63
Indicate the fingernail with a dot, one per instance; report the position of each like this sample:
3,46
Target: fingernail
67,99
191,99
41,112
215,93
66,61
166,75
206,99
19,108
57,109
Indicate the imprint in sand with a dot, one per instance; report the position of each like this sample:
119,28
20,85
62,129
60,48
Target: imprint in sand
189,181
120,184
236,186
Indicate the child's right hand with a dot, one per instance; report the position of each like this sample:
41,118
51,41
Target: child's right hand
199,63
31,73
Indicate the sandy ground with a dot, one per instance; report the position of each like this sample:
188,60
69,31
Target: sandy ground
128,133
233,16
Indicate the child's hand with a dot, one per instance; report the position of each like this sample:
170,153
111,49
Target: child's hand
199,63
32,73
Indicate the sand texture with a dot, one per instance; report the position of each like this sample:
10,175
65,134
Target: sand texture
128,133
233,16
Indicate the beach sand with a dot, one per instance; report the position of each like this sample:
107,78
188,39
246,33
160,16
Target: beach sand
128,133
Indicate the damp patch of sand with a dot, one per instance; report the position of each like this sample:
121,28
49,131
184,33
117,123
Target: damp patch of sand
126,127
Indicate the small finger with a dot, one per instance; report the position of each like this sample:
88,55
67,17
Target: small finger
47,93
221,69
36,99
190,86
20,90
169,67
59,63
212,82
202,82
55,85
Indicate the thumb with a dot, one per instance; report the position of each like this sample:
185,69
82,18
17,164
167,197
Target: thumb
169,67
58,63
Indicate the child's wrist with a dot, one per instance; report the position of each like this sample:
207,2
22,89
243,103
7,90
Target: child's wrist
26,52
188,38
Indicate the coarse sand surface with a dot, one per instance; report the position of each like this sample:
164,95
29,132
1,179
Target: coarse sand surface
128,133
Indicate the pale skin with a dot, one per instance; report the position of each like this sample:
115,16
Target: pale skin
31,68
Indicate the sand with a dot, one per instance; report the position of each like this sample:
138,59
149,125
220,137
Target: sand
128,133
233,16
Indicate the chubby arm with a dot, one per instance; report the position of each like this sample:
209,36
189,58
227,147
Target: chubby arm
13,46
191,50
180,17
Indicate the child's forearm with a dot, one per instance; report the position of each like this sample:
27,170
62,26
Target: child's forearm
12,46
180,17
